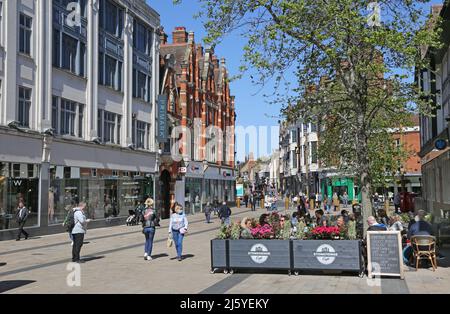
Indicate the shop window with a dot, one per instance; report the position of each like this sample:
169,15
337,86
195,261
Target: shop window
18,182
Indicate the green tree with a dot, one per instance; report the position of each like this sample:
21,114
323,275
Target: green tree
316,39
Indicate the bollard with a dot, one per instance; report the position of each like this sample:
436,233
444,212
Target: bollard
238,202
262,203
286,203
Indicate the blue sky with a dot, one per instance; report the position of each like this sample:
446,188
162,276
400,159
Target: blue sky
251,107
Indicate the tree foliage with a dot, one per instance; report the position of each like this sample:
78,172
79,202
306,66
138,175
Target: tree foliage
360,74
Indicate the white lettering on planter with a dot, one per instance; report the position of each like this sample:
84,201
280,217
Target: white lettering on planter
259,253
325,254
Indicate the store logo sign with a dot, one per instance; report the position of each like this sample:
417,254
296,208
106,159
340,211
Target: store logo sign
325,254
17,182
259,253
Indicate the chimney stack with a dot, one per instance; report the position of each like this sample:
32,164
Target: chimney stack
180,36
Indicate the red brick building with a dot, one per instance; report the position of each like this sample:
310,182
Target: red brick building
411,169
199,101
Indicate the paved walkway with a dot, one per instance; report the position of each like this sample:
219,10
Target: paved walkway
115,264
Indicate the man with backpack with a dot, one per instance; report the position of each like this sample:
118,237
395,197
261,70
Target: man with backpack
225,213
77,225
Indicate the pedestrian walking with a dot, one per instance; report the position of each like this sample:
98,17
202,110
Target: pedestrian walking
345,199
149,228
253,202
208,210
319,200
329,204
79,230
224,214
397,202
178,227
336,202
21,218
216,207
246,200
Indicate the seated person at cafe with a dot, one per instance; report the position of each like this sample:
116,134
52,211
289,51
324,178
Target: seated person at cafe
420,227
321,219
246,225
374,225
340,223
345,215
263,220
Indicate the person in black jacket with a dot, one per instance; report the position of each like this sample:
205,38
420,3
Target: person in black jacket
149,228
225,213
21,217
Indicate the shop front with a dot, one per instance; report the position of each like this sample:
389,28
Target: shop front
193,188
107,193
19,182
111,180
20,159
340,185
220,185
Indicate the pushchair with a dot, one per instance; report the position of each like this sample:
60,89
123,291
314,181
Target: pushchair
132,219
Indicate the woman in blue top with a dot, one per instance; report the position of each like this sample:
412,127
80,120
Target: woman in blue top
177,228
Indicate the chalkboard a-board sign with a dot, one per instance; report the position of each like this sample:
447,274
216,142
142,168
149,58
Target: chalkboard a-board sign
384,253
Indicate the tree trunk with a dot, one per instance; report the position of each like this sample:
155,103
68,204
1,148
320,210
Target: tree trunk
366,201
364,176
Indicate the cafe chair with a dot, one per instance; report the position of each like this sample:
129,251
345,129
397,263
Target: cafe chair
424,247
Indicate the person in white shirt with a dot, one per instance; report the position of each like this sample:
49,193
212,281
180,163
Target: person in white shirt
78,231
177,229
395,224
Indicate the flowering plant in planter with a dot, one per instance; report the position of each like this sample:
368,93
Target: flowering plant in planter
326,233
262,232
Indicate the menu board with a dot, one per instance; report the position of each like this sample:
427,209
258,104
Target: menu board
384,253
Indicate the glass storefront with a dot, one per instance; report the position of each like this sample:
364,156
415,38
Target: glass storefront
193,195
107,193
229,191
219,191
18,182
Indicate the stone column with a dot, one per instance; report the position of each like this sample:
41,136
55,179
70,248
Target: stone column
44,182
10,73
127,109
44,27
92,69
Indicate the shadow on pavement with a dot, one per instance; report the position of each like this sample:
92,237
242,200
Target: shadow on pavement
91,258
2,264
159,255
13,284
86,242
184,256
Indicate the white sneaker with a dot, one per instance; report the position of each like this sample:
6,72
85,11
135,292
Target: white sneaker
149,258
145,255
71,244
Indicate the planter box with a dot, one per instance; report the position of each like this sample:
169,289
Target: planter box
219,254
259,254
337,255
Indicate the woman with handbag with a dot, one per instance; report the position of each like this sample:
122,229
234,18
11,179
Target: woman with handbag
177,229
148,230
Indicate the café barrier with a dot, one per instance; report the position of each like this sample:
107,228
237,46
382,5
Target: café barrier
290,255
